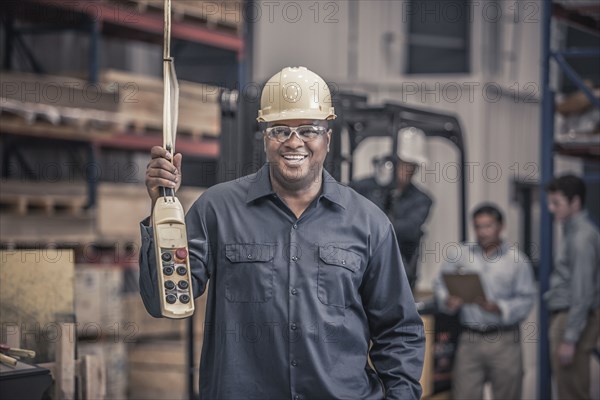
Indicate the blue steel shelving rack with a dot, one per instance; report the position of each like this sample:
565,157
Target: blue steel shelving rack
94,17
551,9
96,20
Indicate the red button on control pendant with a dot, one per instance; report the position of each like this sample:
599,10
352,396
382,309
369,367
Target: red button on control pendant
181,253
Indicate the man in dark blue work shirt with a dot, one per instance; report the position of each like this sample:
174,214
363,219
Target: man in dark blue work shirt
305,273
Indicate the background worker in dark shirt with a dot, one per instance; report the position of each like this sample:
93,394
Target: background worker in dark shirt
305,273
406,206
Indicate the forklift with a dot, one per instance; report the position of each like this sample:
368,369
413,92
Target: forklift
358,123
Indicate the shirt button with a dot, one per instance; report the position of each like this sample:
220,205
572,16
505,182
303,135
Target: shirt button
249,256
294,291
294,327
295,226
294,258
294,363
296,397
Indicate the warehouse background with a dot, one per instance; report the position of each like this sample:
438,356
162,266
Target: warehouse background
73,166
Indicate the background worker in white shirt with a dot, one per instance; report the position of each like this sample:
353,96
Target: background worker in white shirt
489,347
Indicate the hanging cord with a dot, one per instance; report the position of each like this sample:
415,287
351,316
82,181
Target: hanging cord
171,92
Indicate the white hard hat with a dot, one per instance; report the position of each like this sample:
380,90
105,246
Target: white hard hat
412,146
295,93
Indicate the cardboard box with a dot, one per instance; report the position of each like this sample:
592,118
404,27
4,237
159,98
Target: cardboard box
141,102
98,300
158,370
36,294
115,362
144,325
122,206
147,327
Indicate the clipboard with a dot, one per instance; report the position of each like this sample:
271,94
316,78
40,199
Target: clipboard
466,286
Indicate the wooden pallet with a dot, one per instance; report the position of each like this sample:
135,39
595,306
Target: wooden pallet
46,199
80,118
141,126
121,207
17,125
42,214
219,14
58,101
225,15
141,105
35,213
126,102
47,205
57,91
43,232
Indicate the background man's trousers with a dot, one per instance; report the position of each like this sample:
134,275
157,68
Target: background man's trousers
573,381
481,357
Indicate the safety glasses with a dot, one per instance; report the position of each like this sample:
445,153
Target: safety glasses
306,133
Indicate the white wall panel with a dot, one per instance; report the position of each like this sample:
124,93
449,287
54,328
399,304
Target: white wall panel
501,129
316,40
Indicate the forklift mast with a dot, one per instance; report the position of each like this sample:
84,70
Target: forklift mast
358,121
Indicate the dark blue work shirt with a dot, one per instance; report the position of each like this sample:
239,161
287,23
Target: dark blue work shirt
294,302
408,211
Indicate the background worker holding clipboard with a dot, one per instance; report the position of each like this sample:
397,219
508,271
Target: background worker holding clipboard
491,285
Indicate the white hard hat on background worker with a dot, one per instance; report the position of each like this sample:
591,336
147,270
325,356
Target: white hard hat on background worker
412,146
295,93
411,151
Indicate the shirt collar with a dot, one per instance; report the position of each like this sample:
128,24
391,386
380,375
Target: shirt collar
500,252
334,191
574,220
261,187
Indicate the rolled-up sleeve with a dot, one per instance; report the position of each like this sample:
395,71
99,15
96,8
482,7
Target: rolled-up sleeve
396,328
516,308
198,253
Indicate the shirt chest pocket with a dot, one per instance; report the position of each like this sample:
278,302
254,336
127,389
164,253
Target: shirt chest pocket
337,270
248,272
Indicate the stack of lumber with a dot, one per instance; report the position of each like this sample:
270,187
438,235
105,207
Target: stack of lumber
223,15
157,361
68,107
141,103
54,212
59,101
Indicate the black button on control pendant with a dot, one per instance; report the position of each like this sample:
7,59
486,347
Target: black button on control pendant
184,298
169,285
168,271
183,285
171,298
